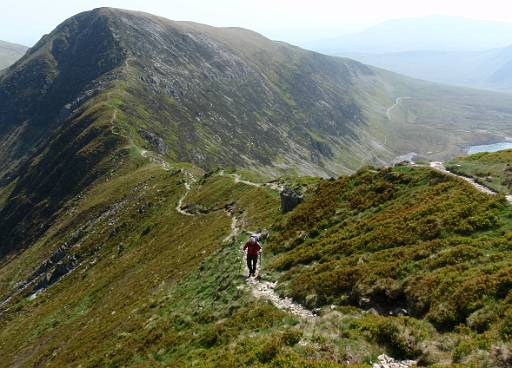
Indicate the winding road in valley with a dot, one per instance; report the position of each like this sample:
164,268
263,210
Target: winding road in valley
390,109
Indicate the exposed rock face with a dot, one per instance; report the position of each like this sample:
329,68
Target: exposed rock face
388,362
155,141
289,200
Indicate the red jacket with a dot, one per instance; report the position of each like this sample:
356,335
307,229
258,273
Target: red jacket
252,247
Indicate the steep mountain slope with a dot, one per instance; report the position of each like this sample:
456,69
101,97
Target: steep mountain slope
192,84
53,143
9,53
282,106
109,84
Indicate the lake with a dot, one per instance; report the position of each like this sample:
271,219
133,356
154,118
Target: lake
490,147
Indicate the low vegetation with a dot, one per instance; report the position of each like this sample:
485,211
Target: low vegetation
403,261
406,242
492,169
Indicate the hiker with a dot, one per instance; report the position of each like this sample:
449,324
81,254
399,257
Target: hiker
253,248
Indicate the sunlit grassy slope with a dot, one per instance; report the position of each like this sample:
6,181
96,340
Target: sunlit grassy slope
492,169
157,288
405,241
134,250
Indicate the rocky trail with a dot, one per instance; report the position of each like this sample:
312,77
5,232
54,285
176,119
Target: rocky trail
238,179
179,206
260,289
439,166
156,159
266,290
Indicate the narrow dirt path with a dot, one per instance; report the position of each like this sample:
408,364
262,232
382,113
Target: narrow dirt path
153,157
112,121
238,179
266,289
235,229
179,208
439,166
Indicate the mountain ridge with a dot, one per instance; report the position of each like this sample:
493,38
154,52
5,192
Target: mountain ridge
433,32
111,83
441,49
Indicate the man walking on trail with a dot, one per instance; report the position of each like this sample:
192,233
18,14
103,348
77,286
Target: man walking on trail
253,248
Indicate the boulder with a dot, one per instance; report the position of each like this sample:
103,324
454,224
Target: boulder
289,200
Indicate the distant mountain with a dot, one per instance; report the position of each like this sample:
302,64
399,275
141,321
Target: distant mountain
501,75
440,49
10,53
490,69
441,33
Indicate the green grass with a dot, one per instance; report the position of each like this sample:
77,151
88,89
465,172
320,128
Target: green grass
492,169
153,287
259,207
156,288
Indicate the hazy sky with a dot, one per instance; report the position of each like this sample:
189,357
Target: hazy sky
295,21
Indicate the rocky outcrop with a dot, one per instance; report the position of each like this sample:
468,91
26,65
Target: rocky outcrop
385,361
154,140
289,200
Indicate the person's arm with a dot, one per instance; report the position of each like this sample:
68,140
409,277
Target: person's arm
245,246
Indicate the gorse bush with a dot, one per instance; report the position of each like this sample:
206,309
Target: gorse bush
402,240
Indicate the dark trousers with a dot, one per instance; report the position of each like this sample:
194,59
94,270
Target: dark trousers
252,261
